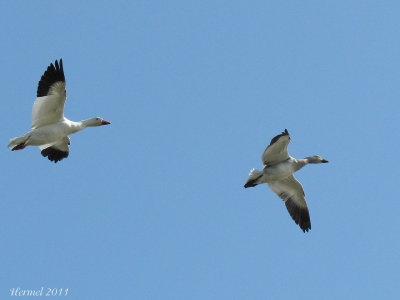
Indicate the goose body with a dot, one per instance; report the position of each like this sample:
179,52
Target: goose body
278,171
50,129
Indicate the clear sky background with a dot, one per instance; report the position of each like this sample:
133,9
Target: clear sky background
153,206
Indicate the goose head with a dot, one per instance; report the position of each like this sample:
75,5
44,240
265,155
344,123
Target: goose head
316,159
96,121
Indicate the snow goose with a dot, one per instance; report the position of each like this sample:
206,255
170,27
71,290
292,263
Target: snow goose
278,171
50,129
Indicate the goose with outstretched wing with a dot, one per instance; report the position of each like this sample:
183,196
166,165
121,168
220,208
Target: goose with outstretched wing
278,171
50,129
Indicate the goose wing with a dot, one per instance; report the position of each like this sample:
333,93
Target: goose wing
57,151
292,193
51,94
277,149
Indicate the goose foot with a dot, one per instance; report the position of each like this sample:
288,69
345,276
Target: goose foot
19,147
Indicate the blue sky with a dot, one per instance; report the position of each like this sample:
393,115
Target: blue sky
153,206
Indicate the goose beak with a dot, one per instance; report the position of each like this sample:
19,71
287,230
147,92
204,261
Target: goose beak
324,161
104,122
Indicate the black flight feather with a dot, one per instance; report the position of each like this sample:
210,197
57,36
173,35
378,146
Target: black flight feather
54,154
53,74
276,138
299,214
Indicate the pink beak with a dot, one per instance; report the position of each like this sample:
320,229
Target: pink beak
104,122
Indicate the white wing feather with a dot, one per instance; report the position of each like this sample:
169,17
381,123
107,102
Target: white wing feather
49,109
292,193
277,151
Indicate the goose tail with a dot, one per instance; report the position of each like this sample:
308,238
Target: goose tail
253,178
17,143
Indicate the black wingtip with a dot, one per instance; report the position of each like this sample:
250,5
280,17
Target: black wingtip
61,66
53,74
54,154
300,215
276,138
305,227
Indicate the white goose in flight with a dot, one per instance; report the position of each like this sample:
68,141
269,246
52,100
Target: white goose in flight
278,171
50,129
